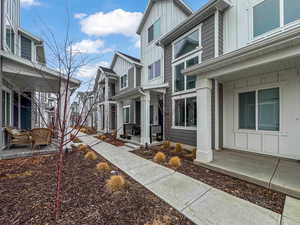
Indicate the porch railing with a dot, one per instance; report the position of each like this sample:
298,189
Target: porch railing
156,130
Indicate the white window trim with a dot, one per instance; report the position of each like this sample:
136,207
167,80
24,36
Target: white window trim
256,89
282,27
199,28
154,39
161,68
184,60
190,95
122,88
11,104
126,107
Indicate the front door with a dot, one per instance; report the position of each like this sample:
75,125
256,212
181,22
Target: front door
26,111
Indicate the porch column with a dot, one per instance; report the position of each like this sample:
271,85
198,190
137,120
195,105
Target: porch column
106,107
120,118
204,149
145,118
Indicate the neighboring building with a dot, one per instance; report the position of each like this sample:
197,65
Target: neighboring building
23,72
87,109
75,114
45,105
248,78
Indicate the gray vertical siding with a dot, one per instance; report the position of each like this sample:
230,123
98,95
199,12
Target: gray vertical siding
130,75
176,135
221,40
208,38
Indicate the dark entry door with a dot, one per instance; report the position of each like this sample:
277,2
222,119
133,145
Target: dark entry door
26,111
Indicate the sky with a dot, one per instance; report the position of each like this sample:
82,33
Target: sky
97,28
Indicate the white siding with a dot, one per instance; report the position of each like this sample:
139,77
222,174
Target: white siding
121,66
283,143
170,16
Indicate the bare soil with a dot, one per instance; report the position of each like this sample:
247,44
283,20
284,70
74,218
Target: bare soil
27,193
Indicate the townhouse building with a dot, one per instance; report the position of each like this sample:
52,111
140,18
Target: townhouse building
23,74
247,80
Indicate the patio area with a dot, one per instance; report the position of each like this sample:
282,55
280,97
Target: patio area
26,151
271,172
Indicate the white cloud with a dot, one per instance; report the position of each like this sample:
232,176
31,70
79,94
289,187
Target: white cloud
115,22
137,42
28,3
90,70
89,47
79,15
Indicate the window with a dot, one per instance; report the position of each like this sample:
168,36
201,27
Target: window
263,103
185,112
154,31
126,116
266,16
10,39
154,70
291,11
182,82
187,44
26,48
6,109
124,81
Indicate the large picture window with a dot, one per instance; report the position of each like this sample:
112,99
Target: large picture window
187,44
271,14
154,31
185,112
263,103
182,82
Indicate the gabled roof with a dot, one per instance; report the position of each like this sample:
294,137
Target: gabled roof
180,3
126,57
106,70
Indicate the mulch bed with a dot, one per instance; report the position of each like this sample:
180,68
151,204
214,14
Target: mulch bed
242,189
27,193
110,140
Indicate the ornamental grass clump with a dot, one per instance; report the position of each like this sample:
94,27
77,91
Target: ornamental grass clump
115,183
178,148
175,162
159,157
167,144
90,155
103,166
84,148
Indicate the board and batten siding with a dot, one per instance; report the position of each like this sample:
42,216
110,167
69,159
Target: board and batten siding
122,67
285,142
187,136
170,16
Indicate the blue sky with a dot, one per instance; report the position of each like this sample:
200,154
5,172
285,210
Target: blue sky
114,29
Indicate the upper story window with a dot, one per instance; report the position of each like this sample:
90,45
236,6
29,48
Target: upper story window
26,48
187,44
271,14
10,38
181,82
154,31
124,81
154,70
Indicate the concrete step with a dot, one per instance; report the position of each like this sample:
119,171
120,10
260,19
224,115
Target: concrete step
131,145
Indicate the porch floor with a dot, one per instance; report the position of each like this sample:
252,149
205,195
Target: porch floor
25,151
271,172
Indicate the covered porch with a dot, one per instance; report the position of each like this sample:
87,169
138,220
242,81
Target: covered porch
271,172
20,80
248,99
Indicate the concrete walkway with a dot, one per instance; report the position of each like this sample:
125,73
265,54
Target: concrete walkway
199,202
271,172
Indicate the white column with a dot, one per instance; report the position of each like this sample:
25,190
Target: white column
120,118
204,150
217,139
145,118
106,106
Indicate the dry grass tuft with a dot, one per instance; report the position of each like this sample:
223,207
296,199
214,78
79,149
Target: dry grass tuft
175,162
83,148
90,155
178,148
159,157
167,144
115,183
103,166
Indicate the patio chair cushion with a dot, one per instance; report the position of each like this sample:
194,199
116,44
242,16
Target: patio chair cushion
15,132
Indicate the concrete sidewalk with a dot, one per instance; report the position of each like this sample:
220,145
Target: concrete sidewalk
199,202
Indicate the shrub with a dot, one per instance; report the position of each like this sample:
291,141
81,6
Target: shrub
83,148
159,157
90,155
103,166
167,144
83,130
178,148
115,183
175,162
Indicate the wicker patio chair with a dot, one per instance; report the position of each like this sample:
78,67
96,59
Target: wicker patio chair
16,137
41,136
